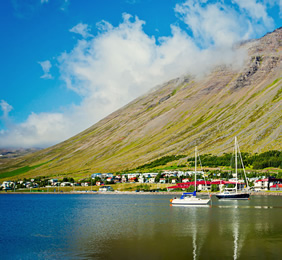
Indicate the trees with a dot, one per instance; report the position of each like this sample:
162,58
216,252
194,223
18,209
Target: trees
191,188
158,177
214,188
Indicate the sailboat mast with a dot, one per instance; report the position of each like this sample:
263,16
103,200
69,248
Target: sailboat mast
236,162
195,166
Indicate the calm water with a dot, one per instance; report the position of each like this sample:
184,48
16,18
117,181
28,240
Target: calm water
41,226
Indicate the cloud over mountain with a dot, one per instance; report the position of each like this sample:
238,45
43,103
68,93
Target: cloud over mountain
122,62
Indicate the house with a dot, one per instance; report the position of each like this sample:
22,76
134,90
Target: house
152,180
109,179
123,179
7,185
117,179
185,180
276,187
132,180
96,175
261,184
98,183
65,184
141,179
132,175
28,184
162,180
53,182
106,188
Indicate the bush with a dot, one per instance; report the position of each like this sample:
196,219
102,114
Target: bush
214,188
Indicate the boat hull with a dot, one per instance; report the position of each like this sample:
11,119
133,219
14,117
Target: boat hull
236,196
194,201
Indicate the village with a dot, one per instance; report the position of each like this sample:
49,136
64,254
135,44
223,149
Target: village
178,180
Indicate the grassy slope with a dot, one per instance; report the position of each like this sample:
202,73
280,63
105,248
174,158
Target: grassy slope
175,118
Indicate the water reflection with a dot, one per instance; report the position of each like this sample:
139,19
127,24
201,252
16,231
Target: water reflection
138,227
235,232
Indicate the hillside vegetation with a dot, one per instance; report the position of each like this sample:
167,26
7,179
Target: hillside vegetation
177,116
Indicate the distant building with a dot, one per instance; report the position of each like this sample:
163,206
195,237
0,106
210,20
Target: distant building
132,175
123,179
261,184
65,184
276,187
132,180
7,185
94,175
106,188
109,179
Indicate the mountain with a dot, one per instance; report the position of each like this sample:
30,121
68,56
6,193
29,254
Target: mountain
177,116
16,152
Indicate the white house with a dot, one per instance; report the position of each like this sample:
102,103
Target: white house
7,185
106,188
123,179
152,180
109,179
261,184
65,184
141,179
94,175
53,182
162,180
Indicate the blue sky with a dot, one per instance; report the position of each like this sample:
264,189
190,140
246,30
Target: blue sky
66,64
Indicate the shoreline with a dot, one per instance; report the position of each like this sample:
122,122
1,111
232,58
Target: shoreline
271,193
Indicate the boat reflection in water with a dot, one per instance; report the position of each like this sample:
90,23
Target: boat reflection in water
200,228
191,206
196,228
238,237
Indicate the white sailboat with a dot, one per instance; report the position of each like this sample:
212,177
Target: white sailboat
189,198
234,194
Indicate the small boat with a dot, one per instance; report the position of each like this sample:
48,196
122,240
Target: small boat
189,198
233,193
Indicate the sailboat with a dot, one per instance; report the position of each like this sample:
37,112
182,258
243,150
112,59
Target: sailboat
189,198
233,193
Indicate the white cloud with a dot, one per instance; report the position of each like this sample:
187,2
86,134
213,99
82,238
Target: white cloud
82,29
221,25
121,63
256,11
46,66
273,3
44,1
39,130
6,108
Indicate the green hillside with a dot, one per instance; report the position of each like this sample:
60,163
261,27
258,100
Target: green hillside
174,118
